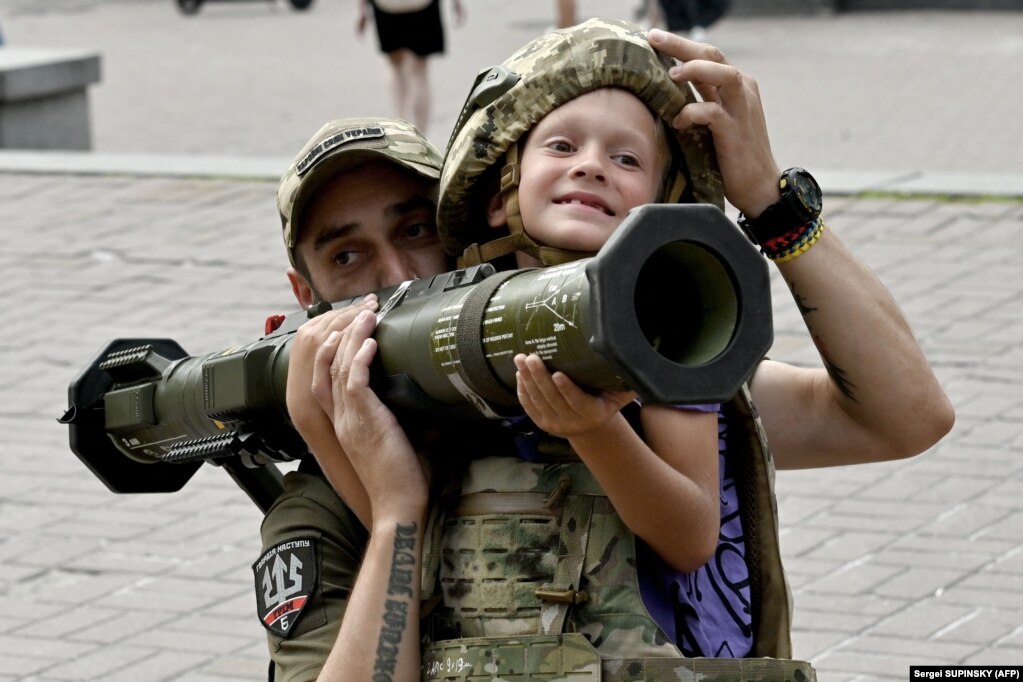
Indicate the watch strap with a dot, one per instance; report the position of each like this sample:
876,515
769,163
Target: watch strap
783,216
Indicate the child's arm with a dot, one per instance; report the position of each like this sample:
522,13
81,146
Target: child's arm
665,489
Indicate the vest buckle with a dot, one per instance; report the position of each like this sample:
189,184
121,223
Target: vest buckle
562,596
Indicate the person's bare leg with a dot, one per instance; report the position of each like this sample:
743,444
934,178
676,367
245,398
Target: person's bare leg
398,81
417,76
566,13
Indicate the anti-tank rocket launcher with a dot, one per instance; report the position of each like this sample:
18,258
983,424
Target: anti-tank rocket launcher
676,306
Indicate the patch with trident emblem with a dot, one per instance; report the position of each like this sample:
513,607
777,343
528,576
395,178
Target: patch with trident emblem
285,576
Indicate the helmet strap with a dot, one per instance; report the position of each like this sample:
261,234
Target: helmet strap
517,239
678,186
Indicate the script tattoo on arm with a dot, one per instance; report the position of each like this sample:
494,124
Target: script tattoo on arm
400,597
837,374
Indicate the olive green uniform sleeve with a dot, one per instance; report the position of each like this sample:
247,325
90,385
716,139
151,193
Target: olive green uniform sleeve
309,507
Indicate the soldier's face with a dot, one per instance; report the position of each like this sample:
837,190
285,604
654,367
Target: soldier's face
366,230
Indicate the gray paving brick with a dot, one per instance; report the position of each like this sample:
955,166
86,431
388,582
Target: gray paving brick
874,665
925,619
840,613
964,521
232,668
983,626
44,550
805,571
124,625
40,647
937,557
850,545
810,643
100,663
797,544
855,578
16,667
940,653
996,656
162,665
916,583
979,593
185,640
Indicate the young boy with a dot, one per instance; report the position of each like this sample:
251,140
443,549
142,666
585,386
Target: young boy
580,174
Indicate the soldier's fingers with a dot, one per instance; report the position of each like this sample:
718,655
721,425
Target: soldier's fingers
358,377
323,371
353,337
709,114
683,49
318,327
342,317
714,81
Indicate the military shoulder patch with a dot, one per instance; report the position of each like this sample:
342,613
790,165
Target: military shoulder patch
285,579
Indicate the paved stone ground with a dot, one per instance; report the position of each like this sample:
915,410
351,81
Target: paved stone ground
914,562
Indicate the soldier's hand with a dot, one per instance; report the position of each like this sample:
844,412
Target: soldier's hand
393,474
733,111
303,409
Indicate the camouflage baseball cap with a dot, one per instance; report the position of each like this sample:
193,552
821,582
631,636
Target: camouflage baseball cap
339,146
508,100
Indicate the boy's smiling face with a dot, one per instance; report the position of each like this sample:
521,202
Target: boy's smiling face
583,166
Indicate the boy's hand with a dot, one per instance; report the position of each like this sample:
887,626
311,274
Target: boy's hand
732,110
557,405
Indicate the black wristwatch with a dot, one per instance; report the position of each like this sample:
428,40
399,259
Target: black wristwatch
800,204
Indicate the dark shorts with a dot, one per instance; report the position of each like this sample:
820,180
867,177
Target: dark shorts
421,32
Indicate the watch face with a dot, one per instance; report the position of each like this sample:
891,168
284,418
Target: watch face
807,191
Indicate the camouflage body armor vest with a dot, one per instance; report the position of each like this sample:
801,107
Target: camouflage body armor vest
533,576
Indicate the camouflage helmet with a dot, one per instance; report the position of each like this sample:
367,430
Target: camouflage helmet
344,144
509,100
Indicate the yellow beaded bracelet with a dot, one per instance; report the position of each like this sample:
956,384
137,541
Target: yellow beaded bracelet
796,250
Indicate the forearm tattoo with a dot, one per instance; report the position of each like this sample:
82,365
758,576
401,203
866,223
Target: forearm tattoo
396,608
837,374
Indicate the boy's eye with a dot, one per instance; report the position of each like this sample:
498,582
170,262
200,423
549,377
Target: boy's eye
560,146
627,160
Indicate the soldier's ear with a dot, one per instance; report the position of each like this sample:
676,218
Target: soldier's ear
497,210
301,288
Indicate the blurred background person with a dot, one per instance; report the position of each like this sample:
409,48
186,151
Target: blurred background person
688,18
564,13
408,32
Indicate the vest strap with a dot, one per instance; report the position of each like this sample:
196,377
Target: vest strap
432,541
481,504
559,595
